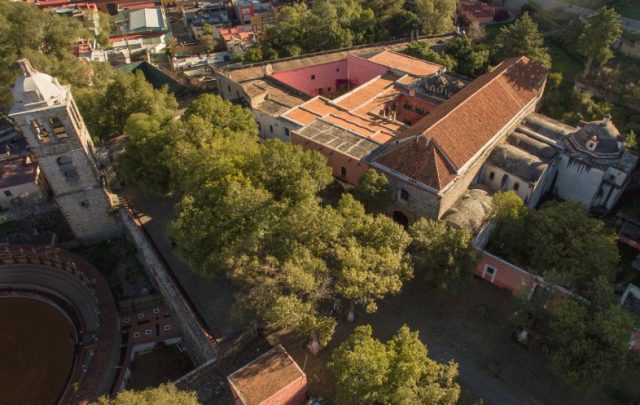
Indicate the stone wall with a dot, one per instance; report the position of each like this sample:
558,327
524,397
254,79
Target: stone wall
199,343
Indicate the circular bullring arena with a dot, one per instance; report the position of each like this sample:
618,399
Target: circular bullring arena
59,338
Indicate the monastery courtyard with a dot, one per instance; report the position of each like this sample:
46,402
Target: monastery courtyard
473,327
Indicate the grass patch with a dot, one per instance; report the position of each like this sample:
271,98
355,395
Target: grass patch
627,8
564,62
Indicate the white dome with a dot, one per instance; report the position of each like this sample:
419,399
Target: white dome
34,87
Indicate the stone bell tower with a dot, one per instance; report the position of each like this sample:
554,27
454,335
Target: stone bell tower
58,138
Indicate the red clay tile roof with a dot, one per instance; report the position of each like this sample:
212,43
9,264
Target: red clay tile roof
465,123
265,376
405,63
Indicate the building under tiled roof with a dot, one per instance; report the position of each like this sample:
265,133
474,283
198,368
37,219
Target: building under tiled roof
464,124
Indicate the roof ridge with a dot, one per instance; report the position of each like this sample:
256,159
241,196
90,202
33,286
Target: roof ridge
507,64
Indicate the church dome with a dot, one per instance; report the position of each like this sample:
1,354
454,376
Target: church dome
33,87
598,138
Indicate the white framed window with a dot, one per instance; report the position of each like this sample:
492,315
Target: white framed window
167,327
489,273
126,320
136,334
141,315
156,310
147,332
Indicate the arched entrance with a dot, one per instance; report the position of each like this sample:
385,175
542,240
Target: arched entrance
400,218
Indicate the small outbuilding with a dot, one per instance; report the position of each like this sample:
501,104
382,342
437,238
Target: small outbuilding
272,379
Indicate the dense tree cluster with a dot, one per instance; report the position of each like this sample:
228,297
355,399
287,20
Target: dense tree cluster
251,211
604,26
522,37
591,343
441,254
331,24
106,109
165,394
396,372
373,191
560,241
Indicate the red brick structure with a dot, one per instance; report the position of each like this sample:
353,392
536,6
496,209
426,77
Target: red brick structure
272,379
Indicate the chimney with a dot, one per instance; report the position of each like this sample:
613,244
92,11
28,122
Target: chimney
606,119
26,67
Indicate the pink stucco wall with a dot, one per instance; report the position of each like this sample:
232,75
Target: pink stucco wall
312,78
506,276
323,79
361,70
411,117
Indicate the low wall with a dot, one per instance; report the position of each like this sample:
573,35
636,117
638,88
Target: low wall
199,343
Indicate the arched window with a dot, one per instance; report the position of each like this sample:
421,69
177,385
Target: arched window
58,128
40,131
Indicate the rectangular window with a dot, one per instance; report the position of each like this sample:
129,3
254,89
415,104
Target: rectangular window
167,327
516,186
490,270
313,77
343,171
7,193
286,131
136,334
141,315
156,310
492,175
408,107
329,89
489,273
271,128
148,332
404,194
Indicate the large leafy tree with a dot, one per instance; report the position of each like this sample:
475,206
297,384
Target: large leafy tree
472,60
422,50
143,162
396,372
442,254
509,215
106,113
590,344
373,191
599,34
165,394
560,241
437,15
522,37
567,245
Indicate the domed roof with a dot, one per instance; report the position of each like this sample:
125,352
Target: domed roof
33,87
598,138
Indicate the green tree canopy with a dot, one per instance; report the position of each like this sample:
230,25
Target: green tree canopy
422,50
126,95
396,372
436,15
569,246
442,254
472,60
599,34
590,346
522,38
373,191
559,241
165,394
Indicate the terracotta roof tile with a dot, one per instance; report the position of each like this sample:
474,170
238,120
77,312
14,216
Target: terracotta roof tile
265,376
466,122
405,63
367,91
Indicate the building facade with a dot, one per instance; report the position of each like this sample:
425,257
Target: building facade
50,121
